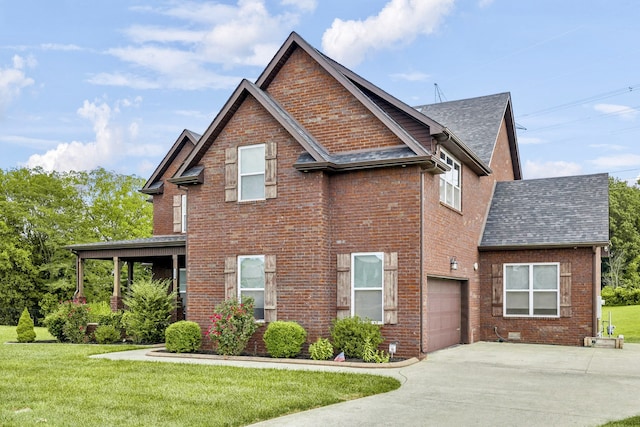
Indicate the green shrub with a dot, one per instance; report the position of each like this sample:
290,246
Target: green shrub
371,354
25,330
349,334
149,311
98,310
107,334
232,326
284,339
321,349
183,337
69,322
620,296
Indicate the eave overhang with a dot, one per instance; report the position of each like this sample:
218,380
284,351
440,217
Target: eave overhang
538,246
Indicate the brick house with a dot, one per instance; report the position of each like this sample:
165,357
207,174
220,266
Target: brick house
322,196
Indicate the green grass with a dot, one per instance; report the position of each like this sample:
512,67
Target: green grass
58,384
626,319
628,422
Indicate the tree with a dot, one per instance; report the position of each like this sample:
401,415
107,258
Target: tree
624,231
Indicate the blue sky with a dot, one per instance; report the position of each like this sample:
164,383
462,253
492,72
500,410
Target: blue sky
113,84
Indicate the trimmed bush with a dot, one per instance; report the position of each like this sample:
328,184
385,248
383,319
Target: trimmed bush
232,326
321,349
349,335
98,310
107,334
149,311
69,322
25,330
183,337
284,339
620,296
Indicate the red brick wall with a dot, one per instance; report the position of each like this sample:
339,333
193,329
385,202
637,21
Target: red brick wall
163,203
563,330
326,109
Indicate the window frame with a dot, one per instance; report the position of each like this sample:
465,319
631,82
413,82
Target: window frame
446,179
240,258
369,288
531,291
242,175
183,213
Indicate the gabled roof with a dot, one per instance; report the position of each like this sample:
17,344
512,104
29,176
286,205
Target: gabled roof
551,212
154,185
476,121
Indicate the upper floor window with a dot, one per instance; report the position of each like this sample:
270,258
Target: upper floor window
251,172
251,282
183,214
367,279
532,289
450,185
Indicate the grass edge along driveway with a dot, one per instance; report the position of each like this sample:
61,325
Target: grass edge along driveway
58,384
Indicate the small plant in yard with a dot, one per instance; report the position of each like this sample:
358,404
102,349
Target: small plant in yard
349,334
149,311
284,339
69,322
232,325
183,337
321,349
25,330
371,354
107,334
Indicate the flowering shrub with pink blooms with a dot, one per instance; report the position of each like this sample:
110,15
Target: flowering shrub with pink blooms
69,322
232,325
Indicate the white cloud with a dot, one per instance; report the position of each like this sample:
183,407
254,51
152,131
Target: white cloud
415,76
24,141
608,147
62,47
113,141
623,111
245,34
618,161
485,3
13,79
399,22
548,169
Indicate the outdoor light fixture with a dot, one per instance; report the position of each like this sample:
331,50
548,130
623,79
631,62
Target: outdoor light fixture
453,263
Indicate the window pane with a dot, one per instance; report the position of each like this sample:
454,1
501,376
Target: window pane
545,303
517,303
252,273
252,160
545,277
442,190
367,271
517,277
455,175
252,187
258,300
368,304
456,198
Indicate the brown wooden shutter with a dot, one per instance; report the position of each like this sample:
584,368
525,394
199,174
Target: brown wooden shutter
270,289
391,288
177,213
270,170
343,304
565,289
231,175
230,278
496,300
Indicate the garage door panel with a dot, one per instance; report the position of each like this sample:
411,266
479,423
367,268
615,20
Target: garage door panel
443,313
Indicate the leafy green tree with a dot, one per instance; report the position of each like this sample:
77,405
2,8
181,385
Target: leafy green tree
25,330
623,267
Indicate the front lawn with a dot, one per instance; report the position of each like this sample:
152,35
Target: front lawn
58,384
626,319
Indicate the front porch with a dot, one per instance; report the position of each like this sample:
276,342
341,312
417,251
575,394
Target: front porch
166,255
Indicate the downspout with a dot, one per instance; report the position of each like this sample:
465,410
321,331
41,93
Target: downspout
421,255
597,283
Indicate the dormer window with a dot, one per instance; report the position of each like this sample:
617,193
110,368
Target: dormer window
450,182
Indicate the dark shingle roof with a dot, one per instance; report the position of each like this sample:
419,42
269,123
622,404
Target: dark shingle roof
564,211
155,241
476,121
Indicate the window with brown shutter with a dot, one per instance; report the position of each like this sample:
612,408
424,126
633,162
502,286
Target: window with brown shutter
177,213
248,177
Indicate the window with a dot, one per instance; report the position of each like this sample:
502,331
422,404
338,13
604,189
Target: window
532,290
251,280
251,172
367,284
450,181
182,286
183,214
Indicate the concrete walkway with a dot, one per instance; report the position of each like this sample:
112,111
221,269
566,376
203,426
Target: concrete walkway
483,384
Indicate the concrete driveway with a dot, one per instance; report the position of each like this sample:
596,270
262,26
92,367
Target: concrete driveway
498,384
482,384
